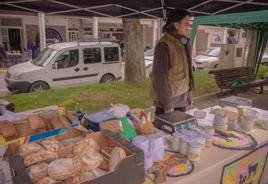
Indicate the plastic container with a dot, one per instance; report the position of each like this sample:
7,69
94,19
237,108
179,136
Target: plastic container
142,142
148,161
184,145
209,141
194,151
175,142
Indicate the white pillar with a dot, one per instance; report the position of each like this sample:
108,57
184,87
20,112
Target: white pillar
95,28
42,30
159,28
155,38
24,33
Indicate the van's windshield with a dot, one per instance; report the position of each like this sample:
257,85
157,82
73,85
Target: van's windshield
43,56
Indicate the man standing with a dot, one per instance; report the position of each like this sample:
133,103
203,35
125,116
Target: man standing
172,77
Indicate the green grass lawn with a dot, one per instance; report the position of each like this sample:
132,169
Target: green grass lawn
94,97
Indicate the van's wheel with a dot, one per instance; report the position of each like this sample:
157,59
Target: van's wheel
107,78
38,87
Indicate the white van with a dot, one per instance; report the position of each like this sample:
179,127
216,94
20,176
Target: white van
66,64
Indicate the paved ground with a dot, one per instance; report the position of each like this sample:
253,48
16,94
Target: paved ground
259,100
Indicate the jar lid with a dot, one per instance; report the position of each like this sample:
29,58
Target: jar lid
196,145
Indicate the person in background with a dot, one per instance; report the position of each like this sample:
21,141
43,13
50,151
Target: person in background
172,78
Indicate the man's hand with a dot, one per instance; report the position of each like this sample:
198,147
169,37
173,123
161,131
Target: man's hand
189,103
169,110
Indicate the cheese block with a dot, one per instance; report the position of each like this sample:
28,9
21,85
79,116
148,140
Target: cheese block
117,155
29,148
40,157
232,113
212,109
36,122
51,144
64,168
200,114
7,129
220,112
48,180
38,171
87,145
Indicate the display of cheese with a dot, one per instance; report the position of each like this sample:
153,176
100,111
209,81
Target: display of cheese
220,112
232,113
36,122
212,109
51,144
7,129
38,171
39,157
64,168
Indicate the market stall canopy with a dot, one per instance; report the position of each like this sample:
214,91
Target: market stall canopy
257,20
131,8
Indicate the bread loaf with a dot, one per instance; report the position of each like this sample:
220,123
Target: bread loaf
39,157
64,168
38,171
92,160
48,180
29,148
51,144
117,155
36,122
7,129
87,145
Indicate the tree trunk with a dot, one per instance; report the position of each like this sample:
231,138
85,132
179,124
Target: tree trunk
134,55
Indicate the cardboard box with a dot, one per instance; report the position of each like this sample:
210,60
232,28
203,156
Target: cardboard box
129,171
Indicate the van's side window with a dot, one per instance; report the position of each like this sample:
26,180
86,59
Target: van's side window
92,55
111,54
68,59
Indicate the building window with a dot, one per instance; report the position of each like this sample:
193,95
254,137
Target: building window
111,54
92,55
73,35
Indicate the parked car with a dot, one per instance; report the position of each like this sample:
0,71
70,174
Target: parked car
66,64
210,58
149,57
264,60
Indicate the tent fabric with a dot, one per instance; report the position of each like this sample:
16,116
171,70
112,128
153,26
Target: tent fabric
257,20
130,8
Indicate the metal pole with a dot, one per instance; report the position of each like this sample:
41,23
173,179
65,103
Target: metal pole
155,36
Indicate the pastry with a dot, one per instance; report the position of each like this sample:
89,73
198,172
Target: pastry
64,168
87,145
48,180
55,122
82,177
7,129
116,155
29,148
36,122
39,157
51,144
38,171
